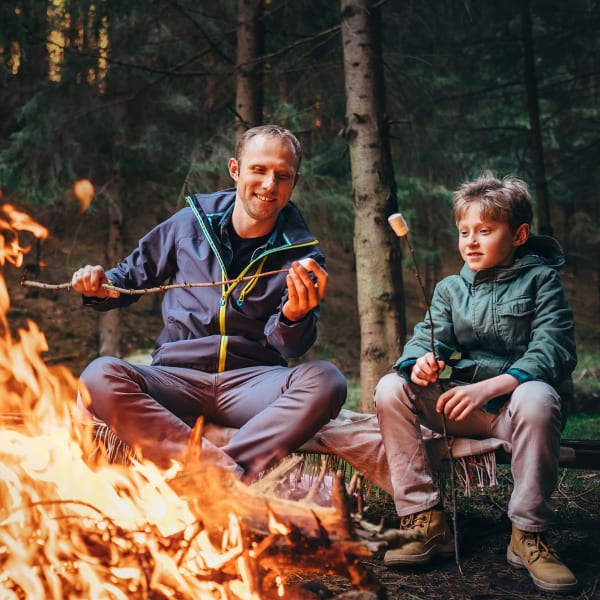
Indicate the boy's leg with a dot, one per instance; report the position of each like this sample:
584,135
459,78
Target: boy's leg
416,497
400,425
533,416
401,410
532,422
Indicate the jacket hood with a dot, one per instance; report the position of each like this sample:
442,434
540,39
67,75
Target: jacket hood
538,250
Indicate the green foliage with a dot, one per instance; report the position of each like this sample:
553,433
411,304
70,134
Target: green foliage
586,376
582,427
353,398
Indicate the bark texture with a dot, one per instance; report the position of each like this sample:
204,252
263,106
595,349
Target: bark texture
378,255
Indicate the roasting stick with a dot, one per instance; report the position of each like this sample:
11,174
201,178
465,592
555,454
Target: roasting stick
398,224
154,290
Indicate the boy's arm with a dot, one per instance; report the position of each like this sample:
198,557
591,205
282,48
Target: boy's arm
420,343
459,402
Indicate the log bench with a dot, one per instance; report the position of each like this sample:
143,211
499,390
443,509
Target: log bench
355,439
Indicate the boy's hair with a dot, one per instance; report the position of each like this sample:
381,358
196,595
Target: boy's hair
275,131
505,199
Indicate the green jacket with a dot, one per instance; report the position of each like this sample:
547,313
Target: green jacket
514,319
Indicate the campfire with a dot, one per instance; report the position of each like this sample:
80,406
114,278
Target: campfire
73,525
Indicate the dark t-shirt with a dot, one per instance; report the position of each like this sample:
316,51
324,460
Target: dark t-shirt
243,248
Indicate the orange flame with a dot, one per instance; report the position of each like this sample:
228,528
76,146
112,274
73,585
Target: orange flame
69,529
12,221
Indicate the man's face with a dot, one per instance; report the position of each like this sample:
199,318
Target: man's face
265,175
487,244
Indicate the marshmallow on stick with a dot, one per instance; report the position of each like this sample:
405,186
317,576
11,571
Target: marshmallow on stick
398,224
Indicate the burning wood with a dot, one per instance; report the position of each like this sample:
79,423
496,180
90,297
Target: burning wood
70,528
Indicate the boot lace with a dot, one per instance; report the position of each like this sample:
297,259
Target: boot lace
536,546
414,521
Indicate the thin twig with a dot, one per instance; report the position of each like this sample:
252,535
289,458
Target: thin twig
444,427
154,290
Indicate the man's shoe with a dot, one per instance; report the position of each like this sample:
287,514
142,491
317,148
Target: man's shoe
530,551
433,538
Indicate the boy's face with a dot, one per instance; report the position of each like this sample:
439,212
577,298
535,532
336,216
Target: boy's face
487,244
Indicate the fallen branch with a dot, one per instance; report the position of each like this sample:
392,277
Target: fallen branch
154,290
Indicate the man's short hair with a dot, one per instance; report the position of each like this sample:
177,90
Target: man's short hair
275,131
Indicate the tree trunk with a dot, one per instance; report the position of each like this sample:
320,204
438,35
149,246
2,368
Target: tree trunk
533,106
380,295
248,84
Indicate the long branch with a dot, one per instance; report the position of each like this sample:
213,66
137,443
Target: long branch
154,290
444,425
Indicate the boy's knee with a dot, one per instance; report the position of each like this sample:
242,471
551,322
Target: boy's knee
535,402
387,390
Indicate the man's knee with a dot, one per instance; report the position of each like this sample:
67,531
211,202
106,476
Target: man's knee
101,369
327,380
97,381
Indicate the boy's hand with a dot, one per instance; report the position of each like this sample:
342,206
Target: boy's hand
459,402
427,369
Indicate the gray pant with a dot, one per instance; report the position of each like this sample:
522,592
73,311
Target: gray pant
530,420
153,408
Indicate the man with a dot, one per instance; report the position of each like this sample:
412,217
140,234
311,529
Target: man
223,351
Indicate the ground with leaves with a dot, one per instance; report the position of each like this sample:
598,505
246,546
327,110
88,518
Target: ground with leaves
484,530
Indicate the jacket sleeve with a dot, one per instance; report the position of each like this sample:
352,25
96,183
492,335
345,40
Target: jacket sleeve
551,354
444,338
149,265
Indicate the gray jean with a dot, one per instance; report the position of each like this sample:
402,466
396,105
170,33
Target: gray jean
530,420
275,409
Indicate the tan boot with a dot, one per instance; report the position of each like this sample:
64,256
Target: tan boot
530,551
433,539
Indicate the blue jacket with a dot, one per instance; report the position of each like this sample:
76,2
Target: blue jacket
220,327
514,319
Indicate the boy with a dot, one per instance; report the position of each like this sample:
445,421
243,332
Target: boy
505,329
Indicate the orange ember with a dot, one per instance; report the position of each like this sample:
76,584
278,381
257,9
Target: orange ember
84,191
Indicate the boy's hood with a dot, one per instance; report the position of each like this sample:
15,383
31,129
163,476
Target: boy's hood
538,250
546,248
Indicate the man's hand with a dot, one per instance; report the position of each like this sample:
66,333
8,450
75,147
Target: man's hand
426,370
89,281
304,293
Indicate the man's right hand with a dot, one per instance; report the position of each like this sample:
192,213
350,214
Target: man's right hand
89,281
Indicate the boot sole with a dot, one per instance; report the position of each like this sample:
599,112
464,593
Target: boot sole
516,561
419,559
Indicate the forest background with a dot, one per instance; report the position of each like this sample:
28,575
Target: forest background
145,99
